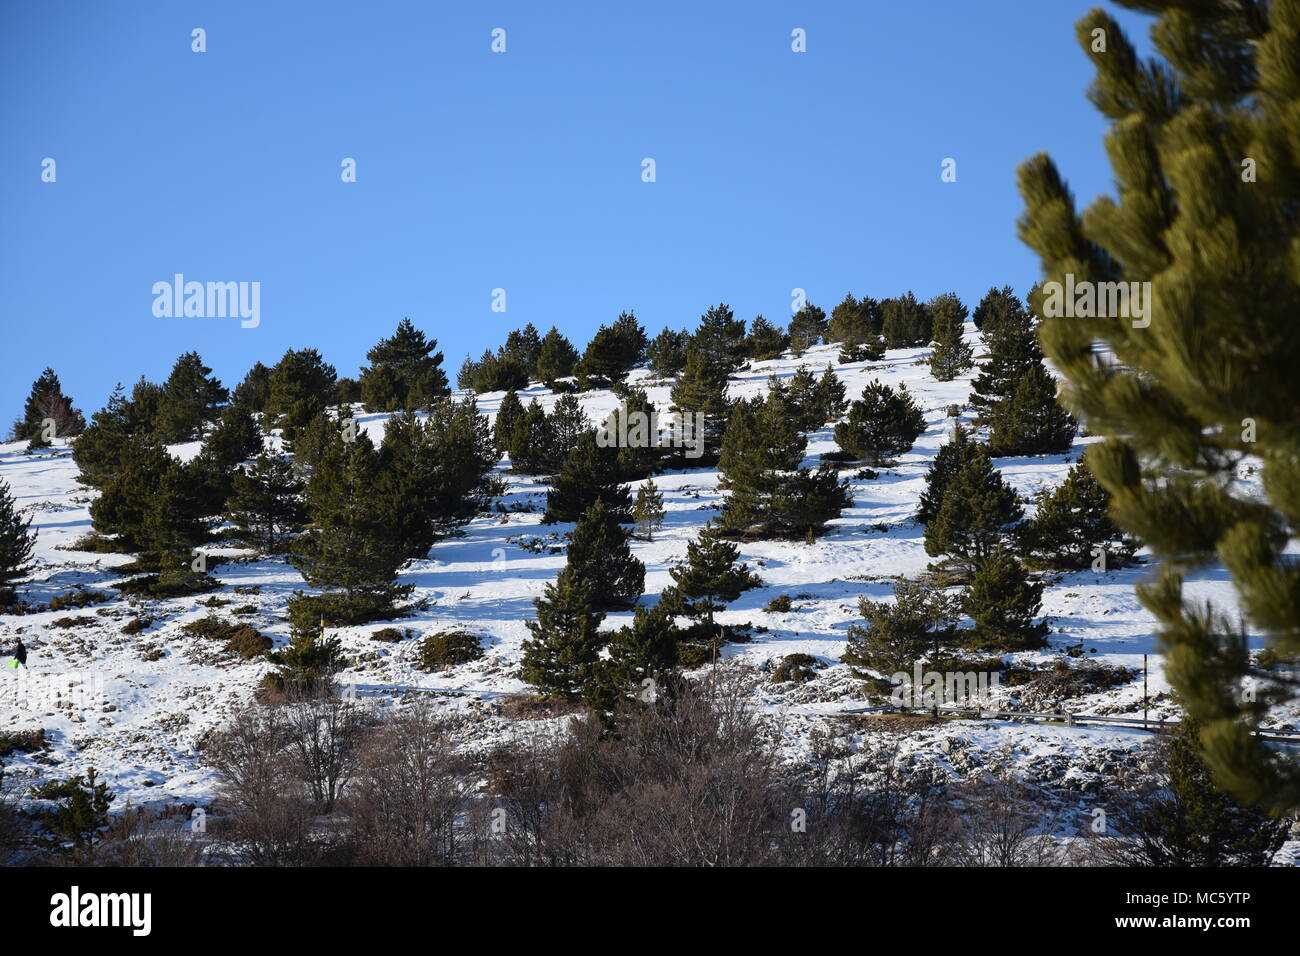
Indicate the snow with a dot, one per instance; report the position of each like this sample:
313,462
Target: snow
139,721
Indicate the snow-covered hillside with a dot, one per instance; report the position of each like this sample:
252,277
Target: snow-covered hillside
134,706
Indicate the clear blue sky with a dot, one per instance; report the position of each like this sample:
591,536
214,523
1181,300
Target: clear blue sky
521,170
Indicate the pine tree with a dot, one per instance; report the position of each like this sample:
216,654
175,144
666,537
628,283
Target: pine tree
531,442
996,305
1011,338
128,489
976,516
99,450
765,341
17,541
648,510
80,814
47,403
761,445
1072,523
633,428
918,626
667,353
1030,421
1003,602
266,505
701,389
556,358
568,423
720,338
951,355
302,386
644,651
802,400
599,554
352,549
613,351
589,474
525,345
190,399
855,322
884,423
305,667
953,455
561,657
404,371
176,521
233,440
708,579
467,375
509,413
807,328
872,350
499,372
806,500
255,390
905,322
830,398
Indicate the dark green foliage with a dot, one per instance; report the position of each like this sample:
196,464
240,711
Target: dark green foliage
266,504
561,657
613,352
306,666
1072,521
761,445
807,499
1003,602
98,451
642,652
765,341
524,345
191,397
1030,421
977,513
347,391
17,541
701,389
883,423
720,338
1012,341
302,386
1191,821
46,401
633,428
509,413
255,390
599,554
855,322
449,648
233,440
499,373
951,356
905,323
708,579
568,423
404,372
953,455
872,350
589,474
829,400
648,510
556,358
807,328
354,547
467,374
532,442
997,305
918,626
81,812
667,353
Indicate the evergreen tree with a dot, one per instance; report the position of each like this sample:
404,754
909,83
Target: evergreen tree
46,402
701,389
806,500
855,322
599,554
872,350
1030,421
996,305
883,423
612,353
255,390
918,626
468,374
905,322
176,521
803,400
976,516
509,414
765,341
266,504
17,542
761,445
499,373
634,429
144,407
352,549
953,455
524,345
720,338
667,353
644,651
233,440
807,328
404,372
648,510
1013,350
1072,522
302,386
128,489
80,814
1003,602
589,474
99,450
568,423
708,579
305,667
531,442
556,358
190,399
562,656
951,355
830,398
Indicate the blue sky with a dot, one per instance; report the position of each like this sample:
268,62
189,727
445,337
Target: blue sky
475,170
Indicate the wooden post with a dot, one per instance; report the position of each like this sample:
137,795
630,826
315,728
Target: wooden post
1144,693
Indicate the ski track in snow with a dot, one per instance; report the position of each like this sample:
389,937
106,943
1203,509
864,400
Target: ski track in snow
141,719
